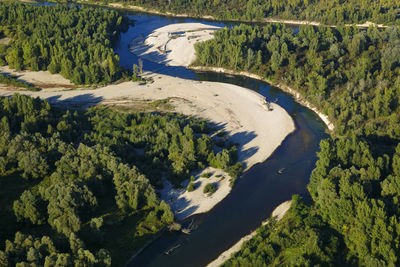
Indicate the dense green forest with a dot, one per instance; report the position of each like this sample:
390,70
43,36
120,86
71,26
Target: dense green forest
301,238
78,187
353,76
75,42
328,12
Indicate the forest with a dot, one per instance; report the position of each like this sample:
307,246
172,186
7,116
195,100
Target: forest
330,12
73,41
79,187
352,75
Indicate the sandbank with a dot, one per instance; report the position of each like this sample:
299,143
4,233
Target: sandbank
172,44
186,203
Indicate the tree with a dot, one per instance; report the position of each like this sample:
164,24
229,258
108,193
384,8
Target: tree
190,187
276,61
29,207
209,189
33,164
66,202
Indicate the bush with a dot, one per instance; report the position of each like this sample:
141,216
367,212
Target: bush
236,170
206,175
209,189
191,187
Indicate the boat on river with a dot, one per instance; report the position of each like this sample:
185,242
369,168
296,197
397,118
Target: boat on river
170,250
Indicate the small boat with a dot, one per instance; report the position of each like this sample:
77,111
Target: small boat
170,250
186,231
281,170
189,229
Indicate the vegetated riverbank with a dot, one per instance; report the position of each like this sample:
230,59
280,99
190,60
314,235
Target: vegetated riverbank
128,7
297,96
278,213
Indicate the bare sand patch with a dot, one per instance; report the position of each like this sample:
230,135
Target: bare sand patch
186,203
39,78
173,44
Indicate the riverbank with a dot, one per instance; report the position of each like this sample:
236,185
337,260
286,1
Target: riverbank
278,213
297,96
125,6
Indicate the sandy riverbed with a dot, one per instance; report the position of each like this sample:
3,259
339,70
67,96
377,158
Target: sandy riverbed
172,44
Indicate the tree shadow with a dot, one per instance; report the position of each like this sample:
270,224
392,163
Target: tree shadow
216,126
76,102
247,153
17,77
186,213
139,48
243,138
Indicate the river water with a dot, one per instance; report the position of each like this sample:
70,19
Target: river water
257,192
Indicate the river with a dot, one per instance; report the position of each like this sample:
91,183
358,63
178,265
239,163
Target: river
257,192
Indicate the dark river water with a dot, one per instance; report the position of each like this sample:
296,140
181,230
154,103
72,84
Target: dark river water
257,192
